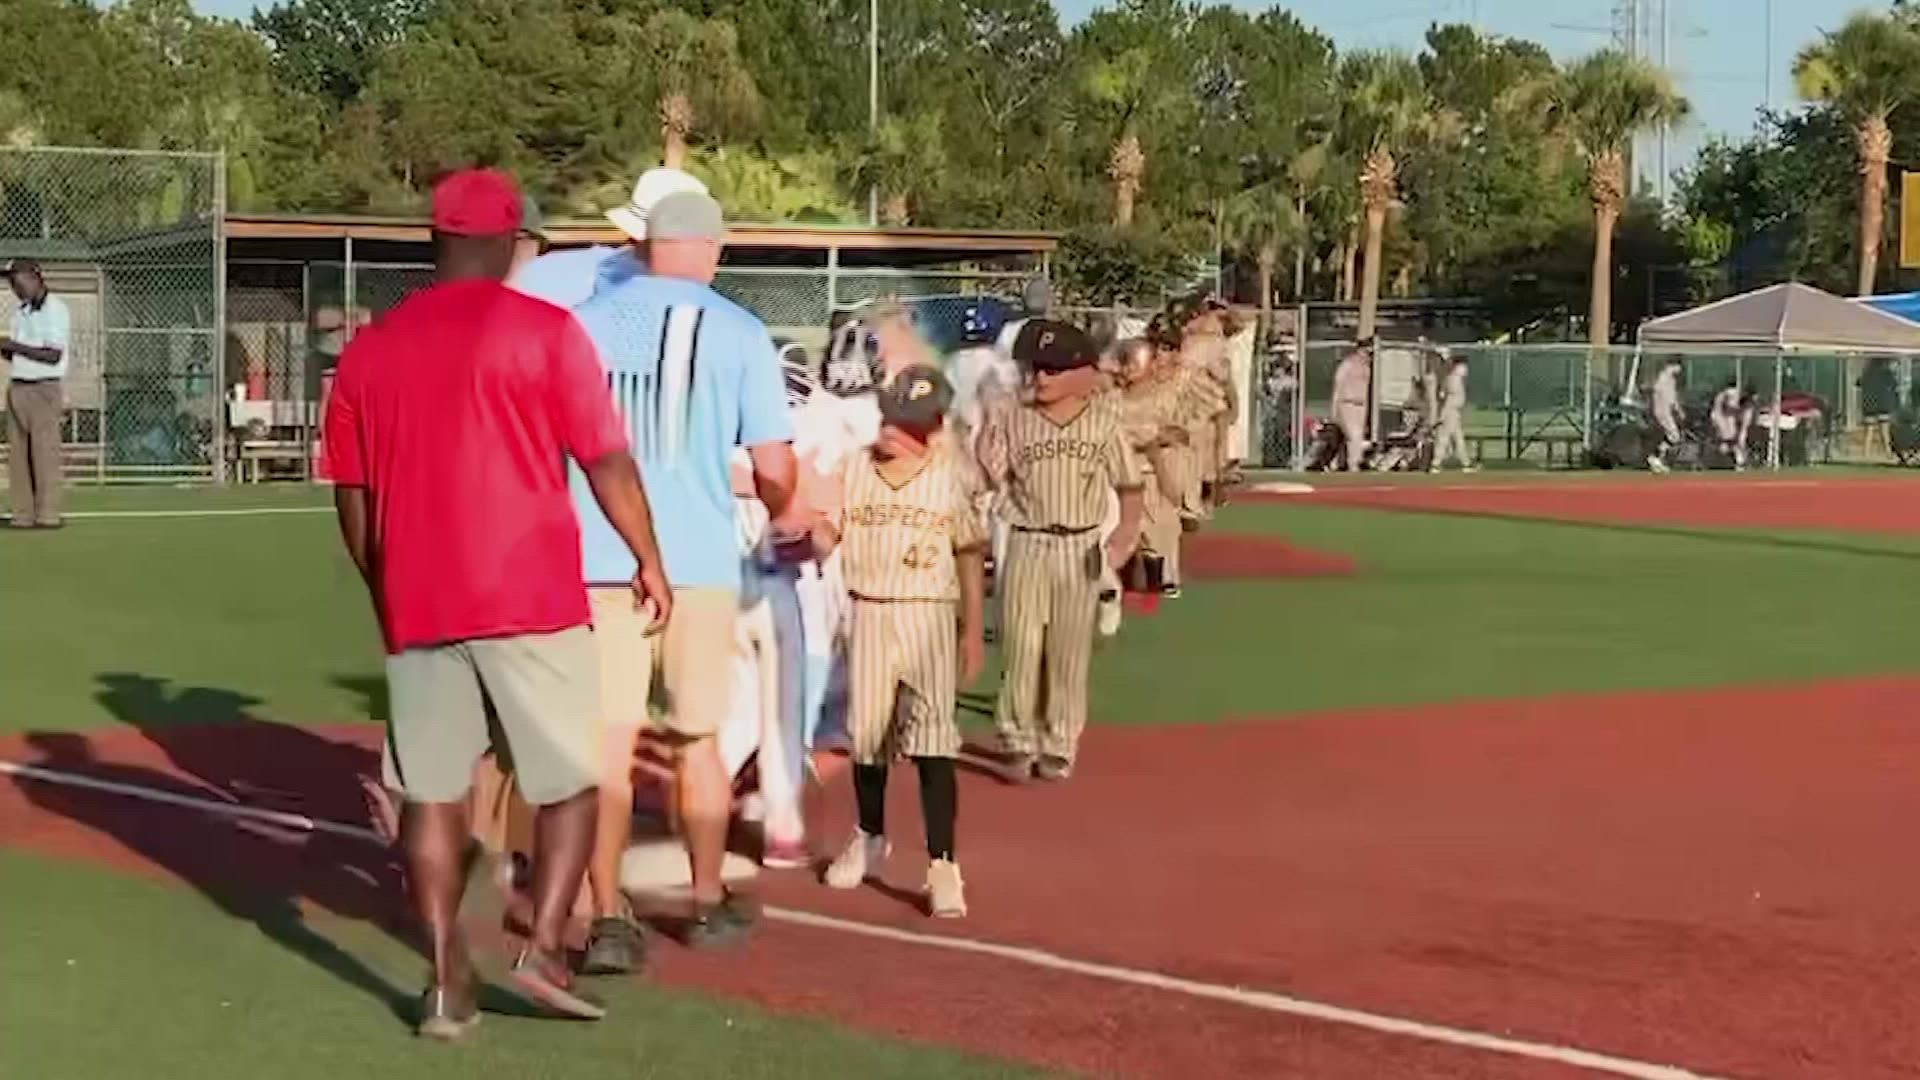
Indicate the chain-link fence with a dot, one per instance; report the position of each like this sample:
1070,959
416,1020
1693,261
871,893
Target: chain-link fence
130,241
1568,405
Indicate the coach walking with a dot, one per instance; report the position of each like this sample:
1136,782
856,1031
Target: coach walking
695,377
36,346
451,423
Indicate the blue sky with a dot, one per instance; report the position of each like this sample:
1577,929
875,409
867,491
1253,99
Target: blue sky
1718,48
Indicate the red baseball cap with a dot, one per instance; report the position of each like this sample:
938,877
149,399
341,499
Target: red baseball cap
476,202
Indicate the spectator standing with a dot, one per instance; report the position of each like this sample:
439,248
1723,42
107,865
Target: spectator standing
36,344
451,423
694,377
1352,393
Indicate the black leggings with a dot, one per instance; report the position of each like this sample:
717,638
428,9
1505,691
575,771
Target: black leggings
939,801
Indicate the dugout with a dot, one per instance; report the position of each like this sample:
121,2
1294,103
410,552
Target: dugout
297,285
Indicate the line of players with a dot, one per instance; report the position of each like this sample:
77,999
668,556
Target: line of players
1122,455
1075,466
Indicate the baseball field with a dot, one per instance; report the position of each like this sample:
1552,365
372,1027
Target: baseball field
1522,775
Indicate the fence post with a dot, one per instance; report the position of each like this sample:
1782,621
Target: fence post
833,280
1773,436
1586,402
220,318
346,334
1298,419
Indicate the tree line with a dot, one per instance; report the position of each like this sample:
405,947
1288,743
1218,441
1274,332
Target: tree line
1153,133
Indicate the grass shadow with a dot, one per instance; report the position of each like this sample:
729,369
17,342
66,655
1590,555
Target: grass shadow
270,875
371,690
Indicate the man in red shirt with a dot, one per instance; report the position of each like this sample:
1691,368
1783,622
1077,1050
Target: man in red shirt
450,426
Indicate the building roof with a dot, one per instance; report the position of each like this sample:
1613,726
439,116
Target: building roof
982,242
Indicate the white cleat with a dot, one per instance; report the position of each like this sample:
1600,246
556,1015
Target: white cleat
860,861
946,891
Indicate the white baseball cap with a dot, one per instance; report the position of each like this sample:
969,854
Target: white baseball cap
653,185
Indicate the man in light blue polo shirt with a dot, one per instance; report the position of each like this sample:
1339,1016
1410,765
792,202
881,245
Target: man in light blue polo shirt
36,346
694,376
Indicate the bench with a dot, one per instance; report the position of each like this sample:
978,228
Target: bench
256,454
78,460
1562,449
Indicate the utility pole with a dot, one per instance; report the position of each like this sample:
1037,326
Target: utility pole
873,99
1661,156
1769,59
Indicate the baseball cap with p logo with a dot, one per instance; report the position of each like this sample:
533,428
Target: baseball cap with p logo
915,398
1046,345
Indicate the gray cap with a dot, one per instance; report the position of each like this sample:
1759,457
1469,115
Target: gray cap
1037,297
686,215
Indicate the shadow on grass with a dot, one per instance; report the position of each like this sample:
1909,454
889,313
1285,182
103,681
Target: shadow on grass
372,692
269,875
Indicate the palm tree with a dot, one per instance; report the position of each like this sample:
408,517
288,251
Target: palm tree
904,158
1383,108
1125,86
700,80
1601,103
1264,222
1866,70
1303,173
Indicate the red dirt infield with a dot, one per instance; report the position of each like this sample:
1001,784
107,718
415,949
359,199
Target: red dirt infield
1720,880
1879,505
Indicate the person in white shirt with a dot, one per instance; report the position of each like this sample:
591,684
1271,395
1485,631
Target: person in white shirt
36,347
1450,436
1728,431
1352,387
1666,413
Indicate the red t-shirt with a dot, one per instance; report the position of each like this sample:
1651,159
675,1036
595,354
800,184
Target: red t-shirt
457,412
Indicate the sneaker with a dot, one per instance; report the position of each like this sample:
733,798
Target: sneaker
946,892
545,980
860,860
1019,768
1469,468
1657,465
1171,590
717,926
443,1018
784,854
1053,769
614,947
1108,621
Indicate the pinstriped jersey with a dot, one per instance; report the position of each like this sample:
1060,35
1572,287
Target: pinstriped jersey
1058,475
897,541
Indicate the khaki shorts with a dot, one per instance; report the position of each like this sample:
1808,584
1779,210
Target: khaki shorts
693,657
537,693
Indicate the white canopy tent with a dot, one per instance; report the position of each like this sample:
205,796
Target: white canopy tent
1786,318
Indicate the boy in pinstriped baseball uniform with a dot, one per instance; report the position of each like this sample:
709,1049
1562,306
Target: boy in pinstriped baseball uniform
1056,459
912,550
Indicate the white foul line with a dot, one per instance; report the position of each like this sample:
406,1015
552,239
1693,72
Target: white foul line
1233,995
249,511
140,791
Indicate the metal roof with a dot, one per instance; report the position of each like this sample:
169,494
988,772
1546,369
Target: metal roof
258,226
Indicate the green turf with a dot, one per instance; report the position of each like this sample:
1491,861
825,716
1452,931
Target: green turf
194,619
111,977
1449,608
